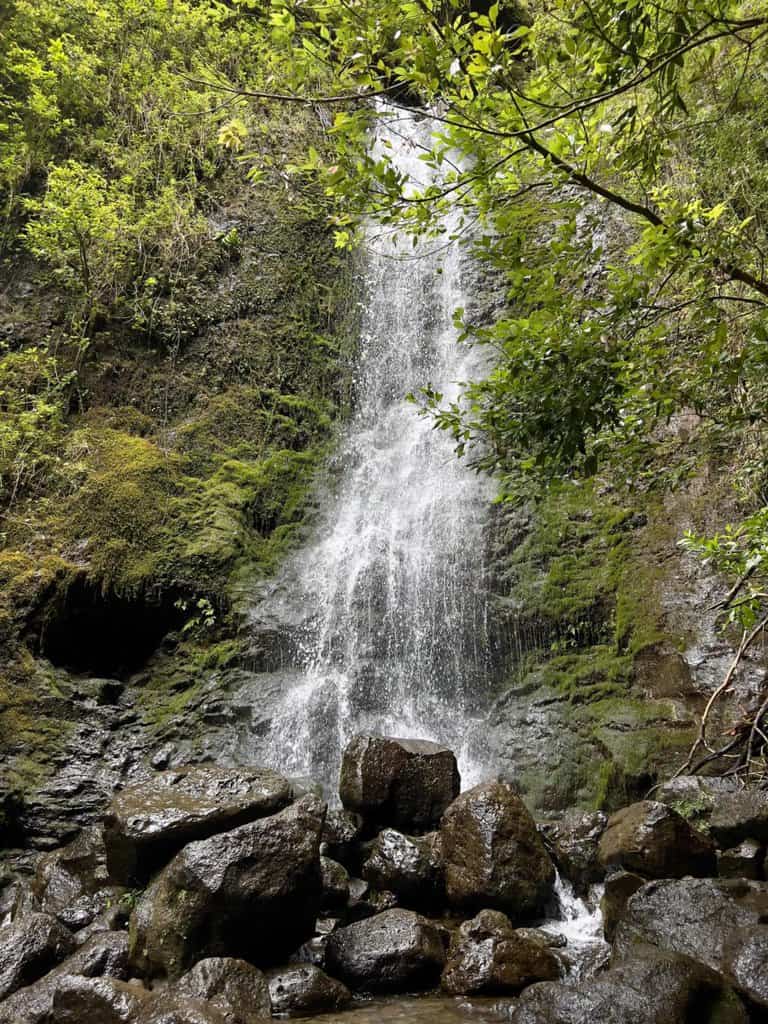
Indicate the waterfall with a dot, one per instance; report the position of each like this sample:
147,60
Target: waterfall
390,595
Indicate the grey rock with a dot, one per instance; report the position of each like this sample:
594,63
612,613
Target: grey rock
253,892
652,839
650,988
335,883
406,784
147,823
411,867
619,886
68,874
740,815
304,989
575,843
103,955
365,901
721,923
742,861
395,951
494,856
341,834
29,947
237,989
78,1000
488,957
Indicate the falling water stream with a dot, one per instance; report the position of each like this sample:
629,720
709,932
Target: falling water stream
392,589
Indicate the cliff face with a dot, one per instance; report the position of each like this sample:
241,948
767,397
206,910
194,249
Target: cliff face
177,476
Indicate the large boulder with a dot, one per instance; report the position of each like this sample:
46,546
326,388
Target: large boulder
575,843
406,784
99,1001
721,923
103,955
302,990
494,856
105,1001
651,988
237,989
409,866
740,815
655,841
29,948
252,892
395,951
488,957
147,823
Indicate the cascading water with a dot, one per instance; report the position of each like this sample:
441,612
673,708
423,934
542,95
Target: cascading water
391,596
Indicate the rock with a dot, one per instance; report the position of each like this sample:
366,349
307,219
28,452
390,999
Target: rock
410,867
237,989
575,844
365,901
406,784
653,840
99,1001
29,947
395,951
488,957
147,823
739,815
721,923
313,951
105,1001
104,955
77,870
742,861
341,834
619,886
304,989
651,988
335,883
731,813
253,892
494,856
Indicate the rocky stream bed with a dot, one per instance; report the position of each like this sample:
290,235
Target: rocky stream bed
226,896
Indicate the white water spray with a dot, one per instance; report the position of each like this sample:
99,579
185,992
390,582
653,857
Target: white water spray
391,594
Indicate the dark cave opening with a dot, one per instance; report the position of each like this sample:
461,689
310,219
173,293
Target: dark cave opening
91,632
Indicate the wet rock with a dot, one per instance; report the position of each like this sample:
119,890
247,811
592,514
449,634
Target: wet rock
396,951
365,901
237,989
651,988
30,947
653,840
66,875
410,867
739,815
253,892
99,1001
575,845
147,823
304,990
742,861
406,784
335,884
313,950
104,955
619,886
489,957
721,923
494,856
341,834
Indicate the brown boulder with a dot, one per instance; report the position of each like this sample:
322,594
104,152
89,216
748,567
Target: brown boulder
653,840
406,784
494,856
